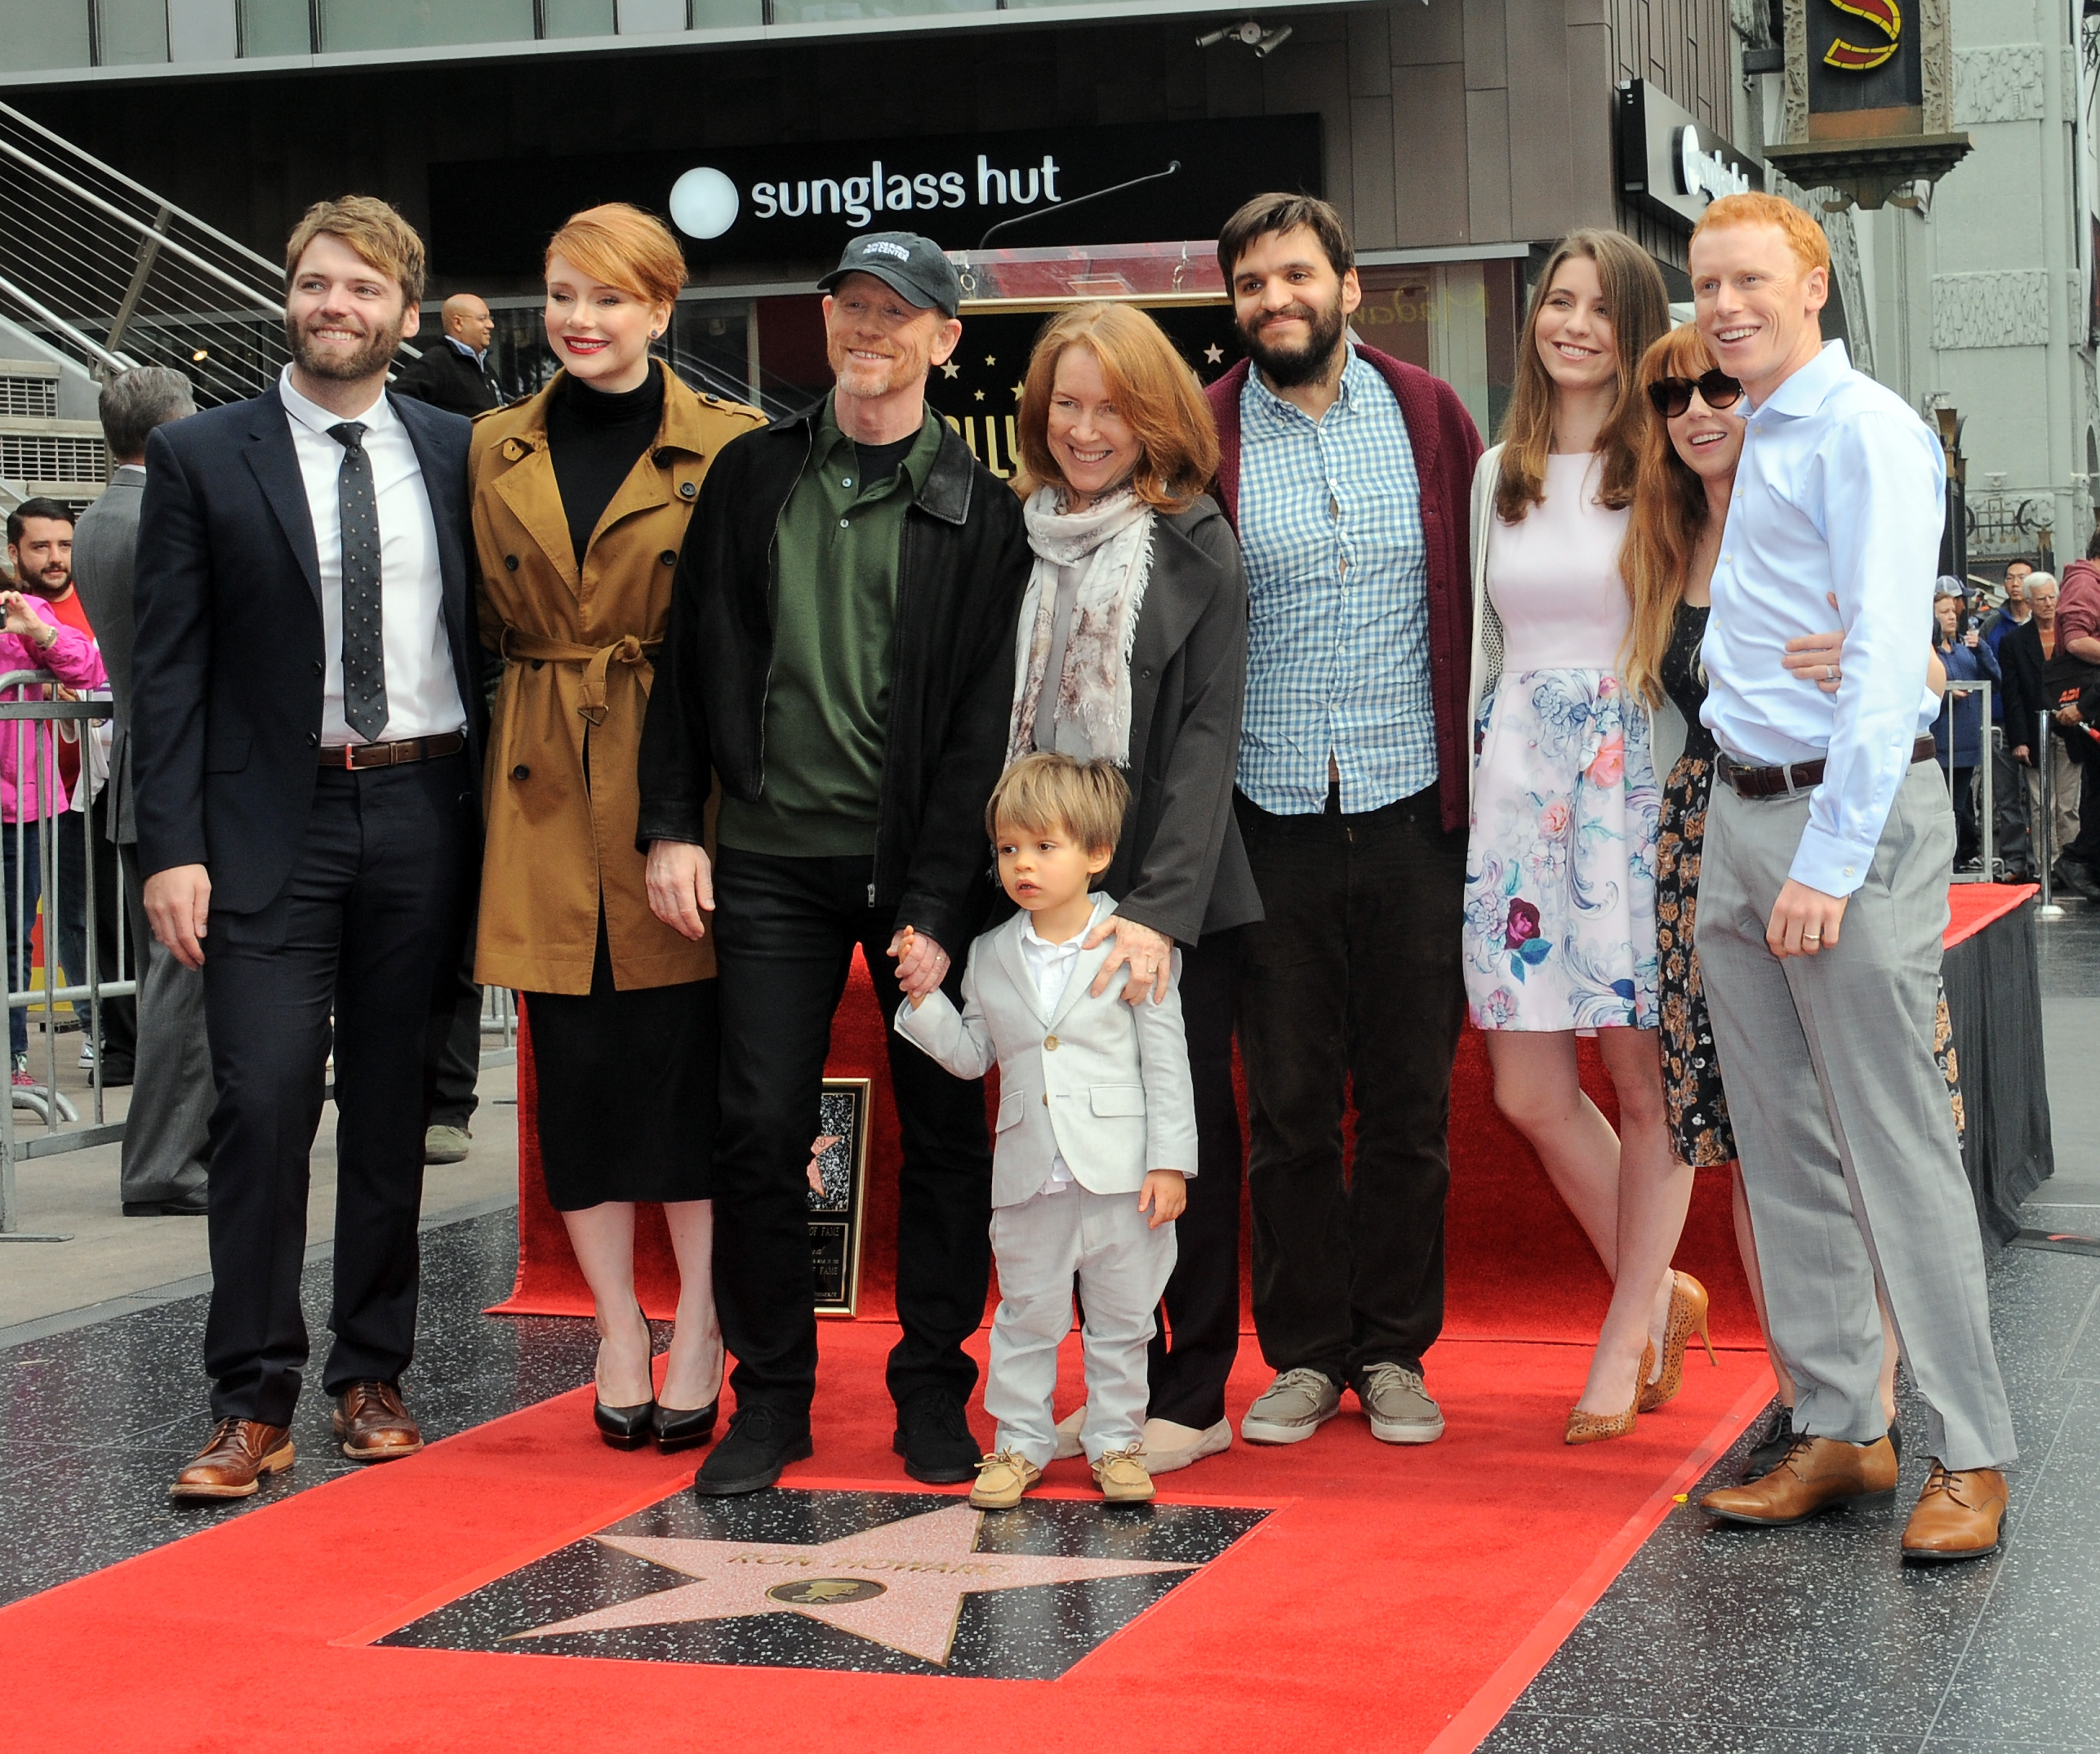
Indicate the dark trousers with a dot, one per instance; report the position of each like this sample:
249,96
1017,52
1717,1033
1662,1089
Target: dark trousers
457,1044
1194,1350
2086,847
1961,782
120,1017
785,930
366,928
2012,844
21,854
1351,985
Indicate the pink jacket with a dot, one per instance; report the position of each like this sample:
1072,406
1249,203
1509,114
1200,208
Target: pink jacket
75,659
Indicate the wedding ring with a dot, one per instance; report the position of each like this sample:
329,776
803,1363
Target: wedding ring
1830,672
1811,937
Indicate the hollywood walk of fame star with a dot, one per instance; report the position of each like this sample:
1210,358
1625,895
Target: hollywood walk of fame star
951,370
900,1584
1214,354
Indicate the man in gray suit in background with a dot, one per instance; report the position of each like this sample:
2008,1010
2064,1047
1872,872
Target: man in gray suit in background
166,1150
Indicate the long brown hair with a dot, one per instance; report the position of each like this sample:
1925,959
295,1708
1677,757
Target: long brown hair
1668,518
1154,390
1639,306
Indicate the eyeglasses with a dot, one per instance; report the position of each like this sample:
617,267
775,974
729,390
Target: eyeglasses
1673,395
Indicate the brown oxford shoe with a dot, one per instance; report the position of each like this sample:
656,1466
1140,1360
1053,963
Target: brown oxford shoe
372,1426
1959,1516
1815,1474
232,1463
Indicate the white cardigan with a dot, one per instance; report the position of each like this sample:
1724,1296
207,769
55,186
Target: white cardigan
1666,727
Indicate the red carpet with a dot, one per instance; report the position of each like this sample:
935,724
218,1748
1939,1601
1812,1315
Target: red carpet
1395,1600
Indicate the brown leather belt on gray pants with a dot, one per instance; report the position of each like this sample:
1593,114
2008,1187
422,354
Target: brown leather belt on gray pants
1802,777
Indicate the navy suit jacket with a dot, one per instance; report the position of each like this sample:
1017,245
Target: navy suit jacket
227,667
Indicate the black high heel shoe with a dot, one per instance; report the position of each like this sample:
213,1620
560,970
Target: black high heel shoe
683,1427
625,1428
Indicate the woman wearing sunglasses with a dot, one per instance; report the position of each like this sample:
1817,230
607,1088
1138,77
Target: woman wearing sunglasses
1559,934
1687,472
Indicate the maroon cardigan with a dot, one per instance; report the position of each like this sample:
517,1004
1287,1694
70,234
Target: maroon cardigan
1446,447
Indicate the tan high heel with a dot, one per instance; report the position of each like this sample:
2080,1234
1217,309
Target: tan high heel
1595,1428
1688,1316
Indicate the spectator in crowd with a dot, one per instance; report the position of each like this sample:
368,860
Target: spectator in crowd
2078,639
1345,473
841,653
454,373
306,710
38,637
1957,735
2013,847
166,1150
2023,656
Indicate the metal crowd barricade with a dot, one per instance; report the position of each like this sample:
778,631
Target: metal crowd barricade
1986,811
31,714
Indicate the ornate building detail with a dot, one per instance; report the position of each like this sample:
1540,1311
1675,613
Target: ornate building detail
1999,85
1793,123
1936,34
1841,229
2006,308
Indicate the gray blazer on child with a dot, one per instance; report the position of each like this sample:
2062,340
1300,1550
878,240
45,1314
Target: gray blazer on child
1103,1084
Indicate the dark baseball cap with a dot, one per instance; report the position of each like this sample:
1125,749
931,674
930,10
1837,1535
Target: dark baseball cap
912,266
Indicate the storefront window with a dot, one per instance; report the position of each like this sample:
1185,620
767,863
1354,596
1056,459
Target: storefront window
275,27
134,33
824,11
580,17
351,24
52,33
1455,318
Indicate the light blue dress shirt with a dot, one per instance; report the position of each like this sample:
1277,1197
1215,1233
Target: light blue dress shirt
1841,489
1338,600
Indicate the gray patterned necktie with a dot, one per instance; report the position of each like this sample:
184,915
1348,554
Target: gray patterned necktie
363,633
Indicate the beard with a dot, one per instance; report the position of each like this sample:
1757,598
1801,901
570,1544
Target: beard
366,362
1287,368
45,586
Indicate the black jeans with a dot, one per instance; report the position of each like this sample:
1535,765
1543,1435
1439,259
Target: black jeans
1351,985
366,929
1194,1350
785,930
2012,844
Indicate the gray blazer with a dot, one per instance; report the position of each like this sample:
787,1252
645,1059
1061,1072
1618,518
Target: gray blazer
1179,868
103,545
1104,1084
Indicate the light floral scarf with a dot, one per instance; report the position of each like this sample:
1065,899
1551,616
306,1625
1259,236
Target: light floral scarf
1111,541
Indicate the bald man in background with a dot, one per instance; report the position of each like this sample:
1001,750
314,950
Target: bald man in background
454,374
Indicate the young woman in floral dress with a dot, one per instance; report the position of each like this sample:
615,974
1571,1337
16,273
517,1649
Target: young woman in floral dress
1560,927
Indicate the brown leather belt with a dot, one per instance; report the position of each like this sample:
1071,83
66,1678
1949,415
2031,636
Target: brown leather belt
355,755
1803,776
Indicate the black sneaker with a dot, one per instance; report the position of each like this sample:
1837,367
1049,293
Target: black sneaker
762,1440
933,1437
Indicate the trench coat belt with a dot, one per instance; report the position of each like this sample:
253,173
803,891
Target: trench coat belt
518,646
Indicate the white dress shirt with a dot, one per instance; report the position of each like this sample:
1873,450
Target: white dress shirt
422,692
1841,489
1050,967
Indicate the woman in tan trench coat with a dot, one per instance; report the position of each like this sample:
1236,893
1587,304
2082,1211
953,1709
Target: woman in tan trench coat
581,499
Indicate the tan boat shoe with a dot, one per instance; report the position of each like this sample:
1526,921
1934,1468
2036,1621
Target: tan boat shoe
1001,1479
1122,1476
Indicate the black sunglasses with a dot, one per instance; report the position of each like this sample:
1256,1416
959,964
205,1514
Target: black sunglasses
1673,395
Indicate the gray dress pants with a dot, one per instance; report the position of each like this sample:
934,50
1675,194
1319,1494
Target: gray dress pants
1841,1116
167,1147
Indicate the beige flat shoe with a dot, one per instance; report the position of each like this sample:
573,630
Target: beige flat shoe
1123,1477
1168,1446
1001,1479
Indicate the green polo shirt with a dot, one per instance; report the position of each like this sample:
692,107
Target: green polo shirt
834,556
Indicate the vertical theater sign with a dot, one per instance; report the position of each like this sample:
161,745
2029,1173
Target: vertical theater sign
1869,100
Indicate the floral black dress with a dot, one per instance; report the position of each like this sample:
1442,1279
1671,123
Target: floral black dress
1691,1070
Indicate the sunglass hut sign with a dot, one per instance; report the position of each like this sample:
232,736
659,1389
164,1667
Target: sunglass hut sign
705,202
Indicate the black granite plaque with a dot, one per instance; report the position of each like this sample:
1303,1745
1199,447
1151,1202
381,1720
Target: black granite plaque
836,1208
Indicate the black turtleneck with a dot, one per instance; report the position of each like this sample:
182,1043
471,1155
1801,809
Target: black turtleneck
593,437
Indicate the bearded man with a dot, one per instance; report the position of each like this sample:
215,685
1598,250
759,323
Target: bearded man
1347,474
841,654
305,746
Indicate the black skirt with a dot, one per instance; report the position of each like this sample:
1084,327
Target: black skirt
627,1099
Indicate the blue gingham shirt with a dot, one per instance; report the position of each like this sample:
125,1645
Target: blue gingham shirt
1338,601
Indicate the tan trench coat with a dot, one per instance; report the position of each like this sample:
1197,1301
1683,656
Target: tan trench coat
577,650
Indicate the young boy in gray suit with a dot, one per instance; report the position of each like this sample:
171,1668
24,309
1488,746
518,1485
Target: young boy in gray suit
1097,1122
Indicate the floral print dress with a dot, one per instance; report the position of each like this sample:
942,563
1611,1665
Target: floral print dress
1560,928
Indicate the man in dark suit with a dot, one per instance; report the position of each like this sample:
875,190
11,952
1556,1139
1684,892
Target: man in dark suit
305,705
454,371
166,1150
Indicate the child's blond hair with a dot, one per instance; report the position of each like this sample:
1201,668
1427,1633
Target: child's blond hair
1085,799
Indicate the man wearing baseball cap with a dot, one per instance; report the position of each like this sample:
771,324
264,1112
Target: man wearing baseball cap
841,654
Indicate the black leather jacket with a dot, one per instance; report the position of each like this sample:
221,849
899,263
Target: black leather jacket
963,566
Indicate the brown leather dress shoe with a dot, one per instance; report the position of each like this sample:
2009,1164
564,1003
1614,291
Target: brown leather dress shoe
1816,1474
1959,1516
372,1426
232,1463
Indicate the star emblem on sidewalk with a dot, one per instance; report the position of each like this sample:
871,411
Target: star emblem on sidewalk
901,1584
